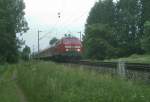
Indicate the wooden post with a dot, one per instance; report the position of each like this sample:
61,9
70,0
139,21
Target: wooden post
121,70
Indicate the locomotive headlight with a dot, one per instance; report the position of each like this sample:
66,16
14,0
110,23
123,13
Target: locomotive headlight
67,50
78,50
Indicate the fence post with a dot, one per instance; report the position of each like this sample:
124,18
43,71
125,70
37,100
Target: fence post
121,69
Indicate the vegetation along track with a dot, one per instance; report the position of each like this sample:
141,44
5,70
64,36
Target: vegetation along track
129,66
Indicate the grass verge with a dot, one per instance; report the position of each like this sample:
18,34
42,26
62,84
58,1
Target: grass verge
50,82
8,92
133,59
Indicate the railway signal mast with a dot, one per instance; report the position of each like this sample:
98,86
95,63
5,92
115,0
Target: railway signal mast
80,35
39,42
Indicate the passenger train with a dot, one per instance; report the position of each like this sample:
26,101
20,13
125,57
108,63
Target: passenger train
67,48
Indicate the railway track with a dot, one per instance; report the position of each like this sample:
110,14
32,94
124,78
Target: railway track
128,66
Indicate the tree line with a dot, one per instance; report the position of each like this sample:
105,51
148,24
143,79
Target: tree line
117,29
12,22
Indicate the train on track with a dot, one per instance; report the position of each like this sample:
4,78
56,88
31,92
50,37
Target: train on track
65,49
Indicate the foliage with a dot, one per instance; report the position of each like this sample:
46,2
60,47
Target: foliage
53,41
128,27
12,22
146,25
99,37
146,9
102,12
146,37
125,19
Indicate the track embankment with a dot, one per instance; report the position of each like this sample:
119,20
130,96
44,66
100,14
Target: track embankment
129,66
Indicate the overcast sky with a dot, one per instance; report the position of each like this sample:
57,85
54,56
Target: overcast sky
43,15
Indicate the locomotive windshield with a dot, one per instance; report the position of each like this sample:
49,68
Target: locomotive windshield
71,41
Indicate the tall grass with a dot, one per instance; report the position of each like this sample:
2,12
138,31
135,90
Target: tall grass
8,91
50,82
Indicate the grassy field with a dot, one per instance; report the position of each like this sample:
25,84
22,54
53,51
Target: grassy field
133,59
50,82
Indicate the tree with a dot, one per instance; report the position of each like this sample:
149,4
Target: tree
12,22
99,39
129,27
103,12
125,19
53,41
146,38
99,42
26,53
145,9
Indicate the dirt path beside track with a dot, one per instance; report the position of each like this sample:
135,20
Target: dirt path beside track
19,91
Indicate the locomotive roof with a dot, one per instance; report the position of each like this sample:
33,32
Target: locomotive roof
64,38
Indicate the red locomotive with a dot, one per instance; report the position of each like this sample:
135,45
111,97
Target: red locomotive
67,48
